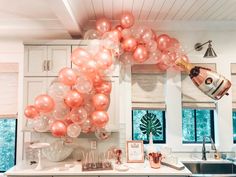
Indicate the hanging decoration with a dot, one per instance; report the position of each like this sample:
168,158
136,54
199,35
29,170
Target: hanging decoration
77,101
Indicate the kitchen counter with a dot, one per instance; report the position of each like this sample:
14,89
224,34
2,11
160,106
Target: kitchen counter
58,169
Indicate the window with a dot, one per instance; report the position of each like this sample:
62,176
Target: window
197,123
148,103
144,121
8,129
234,126
8,114
233,79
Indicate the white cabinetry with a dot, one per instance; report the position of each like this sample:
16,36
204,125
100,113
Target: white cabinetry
46,60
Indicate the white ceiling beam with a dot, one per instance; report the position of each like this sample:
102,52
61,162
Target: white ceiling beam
64,12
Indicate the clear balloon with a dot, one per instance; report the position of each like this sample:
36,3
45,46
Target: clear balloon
163,42
137,32
174,45
73,99
129,44
140,54
100,102
73,130
90,66
102,134
155,56
44,103
126,33
104,88
78,115
126,58
58,90
104,58
127,20
67,76
42,123
79,56
86,126
92,34
151,46
61,111
83,84
99,119
31,112
58,128
148,35
103,25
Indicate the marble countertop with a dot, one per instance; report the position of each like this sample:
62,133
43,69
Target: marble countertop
75,168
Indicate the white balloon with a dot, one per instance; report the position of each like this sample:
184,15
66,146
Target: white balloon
73,130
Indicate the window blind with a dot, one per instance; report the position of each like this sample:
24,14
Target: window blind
147,87
8,90
233,81
192,97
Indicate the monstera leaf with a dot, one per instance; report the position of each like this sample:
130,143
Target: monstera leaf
150,123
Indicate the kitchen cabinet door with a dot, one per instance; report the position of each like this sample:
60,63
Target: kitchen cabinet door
46,60
113,111
58,57
35,61
34,86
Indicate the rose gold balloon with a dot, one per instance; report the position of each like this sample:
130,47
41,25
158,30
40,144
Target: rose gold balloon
96,78
163,42
104,58
140,54
100,102
162,66
44,103
79,56
73,99
127,20
31,112
117,34
67,76
99,119
129,44
104,88
89,66
58,128
103,25
119,28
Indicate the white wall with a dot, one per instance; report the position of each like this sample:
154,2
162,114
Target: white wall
13,52
224,44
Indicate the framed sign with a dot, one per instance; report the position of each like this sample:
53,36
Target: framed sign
135,152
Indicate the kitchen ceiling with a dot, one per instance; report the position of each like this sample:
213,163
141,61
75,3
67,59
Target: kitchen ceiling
53,19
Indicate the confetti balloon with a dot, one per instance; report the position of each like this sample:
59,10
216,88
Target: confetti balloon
73,130
78,115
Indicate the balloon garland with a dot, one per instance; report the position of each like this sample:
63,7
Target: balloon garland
78,99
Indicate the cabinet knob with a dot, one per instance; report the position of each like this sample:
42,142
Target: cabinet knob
49,65
45,65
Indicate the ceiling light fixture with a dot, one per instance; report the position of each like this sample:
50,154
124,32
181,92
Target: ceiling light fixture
210,53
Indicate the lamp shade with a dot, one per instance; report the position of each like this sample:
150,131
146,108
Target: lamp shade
210,53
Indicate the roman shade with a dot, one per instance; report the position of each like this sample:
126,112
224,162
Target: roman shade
233,81
192,97
147,87
8,90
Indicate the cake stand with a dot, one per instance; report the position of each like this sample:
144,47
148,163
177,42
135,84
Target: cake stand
39,146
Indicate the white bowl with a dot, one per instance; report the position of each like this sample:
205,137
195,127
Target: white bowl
57,151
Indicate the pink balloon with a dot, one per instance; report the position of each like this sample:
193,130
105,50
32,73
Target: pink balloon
58,128
174,43
104,58
129,44
103,25
67,76
44,103
162,66
31,112
79,56
119,28
100,102
126,33
104,88
78,115
127,20
96,78
166,59
163,42
73,99
140,54
99,119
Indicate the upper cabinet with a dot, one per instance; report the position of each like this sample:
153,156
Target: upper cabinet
46,60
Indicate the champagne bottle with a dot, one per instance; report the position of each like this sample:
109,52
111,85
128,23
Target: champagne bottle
209,82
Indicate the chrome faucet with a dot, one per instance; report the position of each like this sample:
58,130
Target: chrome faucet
213,147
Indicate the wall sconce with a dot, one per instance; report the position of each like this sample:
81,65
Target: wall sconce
210,53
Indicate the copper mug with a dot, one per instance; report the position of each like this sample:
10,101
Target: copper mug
155,159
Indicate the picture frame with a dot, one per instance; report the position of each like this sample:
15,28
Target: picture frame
135,153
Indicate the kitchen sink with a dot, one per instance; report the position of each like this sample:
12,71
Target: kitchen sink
211,169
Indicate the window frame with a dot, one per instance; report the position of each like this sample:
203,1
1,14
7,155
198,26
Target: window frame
234,140
195,127
163,125
16,132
